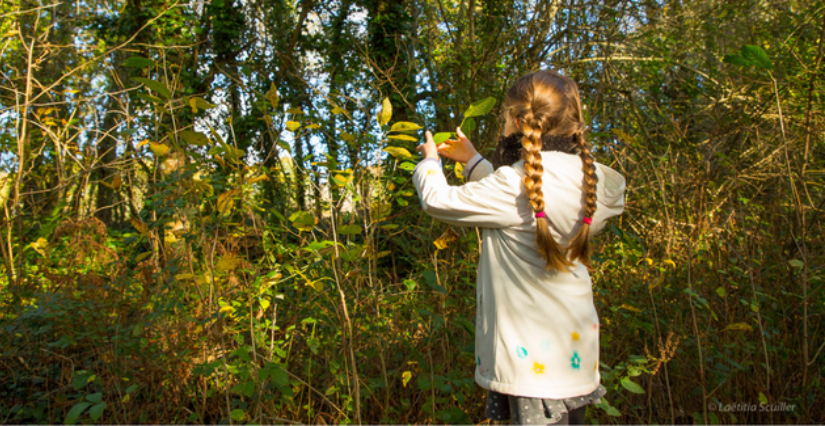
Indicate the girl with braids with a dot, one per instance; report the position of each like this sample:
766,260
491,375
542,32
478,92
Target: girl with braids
539,201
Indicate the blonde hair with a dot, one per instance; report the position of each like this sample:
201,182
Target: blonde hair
548,103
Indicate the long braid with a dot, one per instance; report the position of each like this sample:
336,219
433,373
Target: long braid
580,246
533,170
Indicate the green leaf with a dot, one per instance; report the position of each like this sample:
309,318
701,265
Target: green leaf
631,385
277,374
386,112
762,398
150,98
79,381
756,56
438,138
405,126
75,412
349,230
469,125
138,62
721,292
318,245
194,138
155,86
131,389
304,221
95,398
480,107
97,411
796,263
237,414
407,166
736,60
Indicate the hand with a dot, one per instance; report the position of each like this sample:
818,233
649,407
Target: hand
461,150
428,149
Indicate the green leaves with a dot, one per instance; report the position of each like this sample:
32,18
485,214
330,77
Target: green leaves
304,221
397,152
750,55
440,137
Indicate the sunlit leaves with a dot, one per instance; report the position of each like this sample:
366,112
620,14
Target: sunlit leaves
404,126
293,125
403,138
386,112
158,149
397,152
196,102
445,239
303,221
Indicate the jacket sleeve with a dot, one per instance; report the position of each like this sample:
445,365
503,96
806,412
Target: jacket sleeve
488,202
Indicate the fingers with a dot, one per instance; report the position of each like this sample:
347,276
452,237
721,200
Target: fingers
460,133
429,137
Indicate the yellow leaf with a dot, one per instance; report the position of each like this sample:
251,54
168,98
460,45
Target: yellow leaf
406,377
397,152
40,246
116,182
227,262
459,171
184,277
670,262
194,105
448,236
260,178
293,125
403,138
294,110
739,326
142,256
272,96
143,142
347,137
382,254
313,126
386,112
631,308
226,201
227,308
391,186
140,226
158,149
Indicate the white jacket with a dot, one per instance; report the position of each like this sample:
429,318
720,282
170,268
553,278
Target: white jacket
537,332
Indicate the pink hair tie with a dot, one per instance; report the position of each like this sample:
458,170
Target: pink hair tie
588,220
540,214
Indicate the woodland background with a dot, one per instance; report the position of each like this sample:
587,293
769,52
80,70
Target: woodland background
207,213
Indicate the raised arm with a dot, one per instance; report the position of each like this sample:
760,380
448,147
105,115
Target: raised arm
488,202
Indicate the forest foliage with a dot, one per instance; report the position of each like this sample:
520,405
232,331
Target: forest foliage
208,216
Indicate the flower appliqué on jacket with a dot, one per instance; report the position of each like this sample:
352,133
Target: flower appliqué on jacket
576,362
595,326
522,353
430,172
575,336
538,368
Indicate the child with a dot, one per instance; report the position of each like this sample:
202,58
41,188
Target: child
537,330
